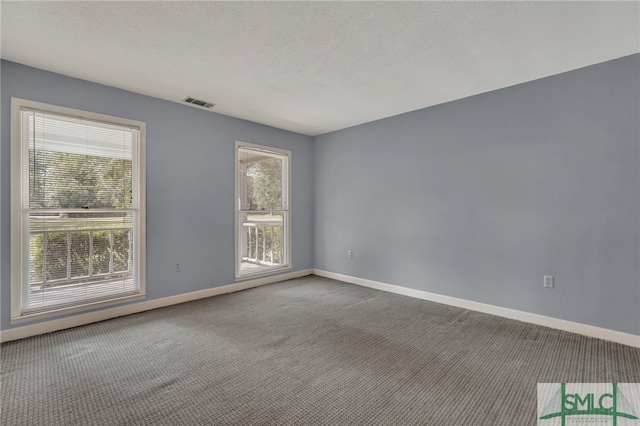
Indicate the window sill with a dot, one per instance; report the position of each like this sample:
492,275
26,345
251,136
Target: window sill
263,272
75,308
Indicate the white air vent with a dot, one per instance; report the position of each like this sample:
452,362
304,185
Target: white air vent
198,102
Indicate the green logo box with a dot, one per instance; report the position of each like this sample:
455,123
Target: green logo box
594,404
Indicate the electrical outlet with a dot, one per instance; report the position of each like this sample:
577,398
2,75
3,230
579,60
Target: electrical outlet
548,281
178,267
350,254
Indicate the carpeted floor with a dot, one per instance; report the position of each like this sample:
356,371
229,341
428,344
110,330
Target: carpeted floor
306,351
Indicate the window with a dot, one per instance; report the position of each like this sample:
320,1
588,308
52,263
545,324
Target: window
262,209
78,209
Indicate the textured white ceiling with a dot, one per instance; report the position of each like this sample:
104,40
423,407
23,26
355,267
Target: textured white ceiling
315,67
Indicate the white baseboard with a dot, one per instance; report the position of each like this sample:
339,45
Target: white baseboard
560,324
83,319
88,318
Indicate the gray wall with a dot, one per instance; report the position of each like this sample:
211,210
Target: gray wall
479,198
190,180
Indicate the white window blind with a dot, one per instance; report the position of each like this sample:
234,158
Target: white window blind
80,206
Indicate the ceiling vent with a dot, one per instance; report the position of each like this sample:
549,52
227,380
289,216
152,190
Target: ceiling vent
199,103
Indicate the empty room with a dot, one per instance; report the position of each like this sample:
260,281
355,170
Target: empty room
331,213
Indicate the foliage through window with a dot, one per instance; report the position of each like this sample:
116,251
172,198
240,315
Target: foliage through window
262,211
78,208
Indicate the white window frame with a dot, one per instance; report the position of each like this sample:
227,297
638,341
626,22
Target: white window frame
238,212
20,226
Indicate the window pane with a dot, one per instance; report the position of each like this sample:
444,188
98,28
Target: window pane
78,255
262,237
76,163
261,180
68,181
